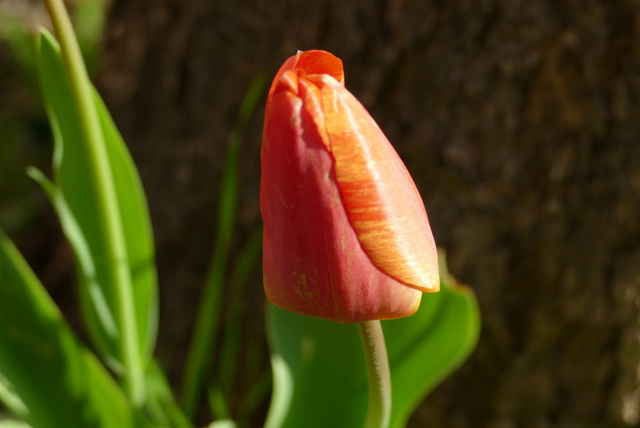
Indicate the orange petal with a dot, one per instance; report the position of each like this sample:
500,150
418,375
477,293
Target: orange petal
378,194
312,62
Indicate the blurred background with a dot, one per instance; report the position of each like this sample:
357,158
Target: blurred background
519,121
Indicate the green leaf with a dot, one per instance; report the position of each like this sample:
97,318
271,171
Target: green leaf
205,333
161,404
247,260
88,22
137,230
52,379
20,40
319,367
11,423
252,401
109,249
319,372
76,195
426,348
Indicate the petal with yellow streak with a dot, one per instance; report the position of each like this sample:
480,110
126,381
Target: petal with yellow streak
381,200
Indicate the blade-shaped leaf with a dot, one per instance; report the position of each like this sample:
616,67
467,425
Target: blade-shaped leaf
427,347
320,370
137,230
73,232
206,329
161,404
54,381
71,171
15,33
88,23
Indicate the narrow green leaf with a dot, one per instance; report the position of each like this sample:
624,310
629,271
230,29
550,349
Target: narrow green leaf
90,291
54,380
161,403
218,403
99,299
207,323
138,234
88,22
246,262
259,391
319,364
20,40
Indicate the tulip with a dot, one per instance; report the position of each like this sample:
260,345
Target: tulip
346,235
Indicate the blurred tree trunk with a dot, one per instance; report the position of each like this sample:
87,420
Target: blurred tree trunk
520,123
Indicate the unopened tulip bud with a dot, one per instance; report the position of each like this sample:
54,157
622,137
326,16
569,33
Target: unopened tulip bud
346,235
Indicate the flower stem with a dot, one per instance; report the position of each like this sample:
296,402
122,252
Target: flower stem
106,199
375,350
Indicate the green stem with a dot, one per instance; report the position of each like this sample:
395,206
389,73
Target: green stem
375,350
106,199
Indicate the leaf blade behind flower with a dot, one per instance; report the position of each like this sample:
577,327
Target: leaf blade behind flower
319,367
